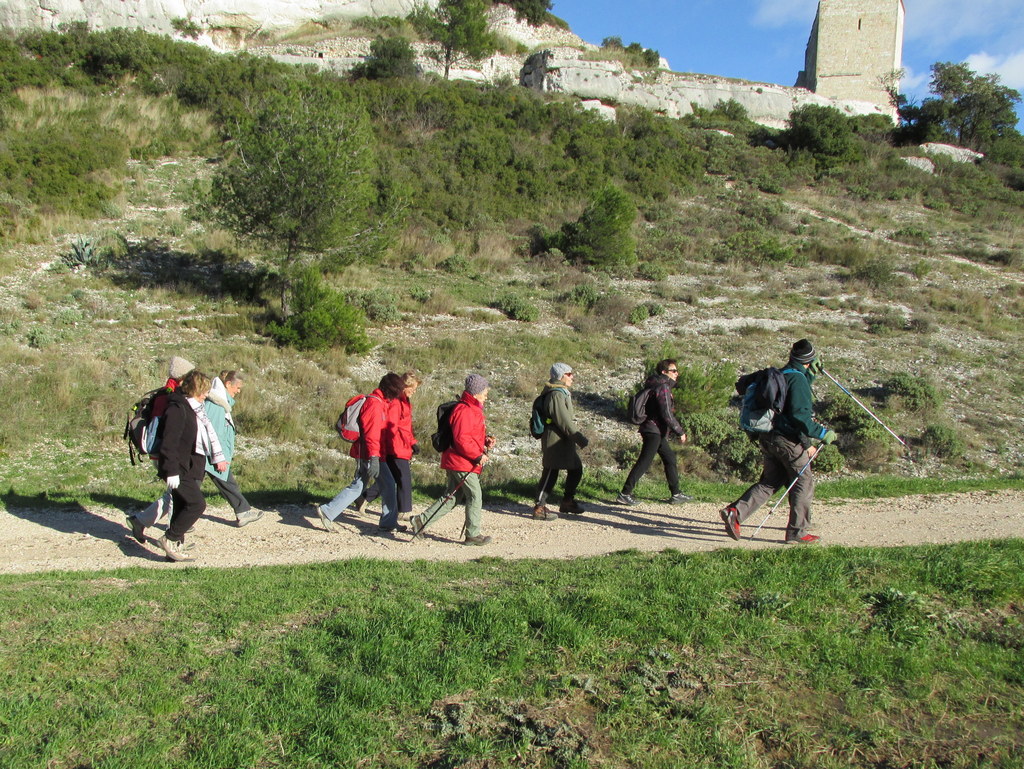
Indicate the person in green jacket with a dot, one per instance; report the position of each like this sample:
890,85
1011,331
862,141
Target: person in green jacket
558,444
219,404
787,452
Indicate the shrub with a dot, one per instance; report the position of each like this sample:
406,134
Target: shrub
456,264
754,247
321,318
942,441
914,392
602,235
379,305
517,308
390,57
703,388
652,271
824,132
584,295
913,234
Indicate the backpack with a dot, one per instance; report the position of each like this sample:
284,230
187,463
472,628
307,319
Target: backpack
442,439
636,411
141,430
764,396
348,423
539,418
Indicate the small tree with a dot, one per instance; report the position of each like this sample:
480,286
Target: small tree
974,109
389,57
300,176
602,236
322,318
822,131
459,28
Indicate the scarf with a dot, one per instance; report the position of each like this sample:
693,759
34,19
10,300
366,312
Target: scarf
207,442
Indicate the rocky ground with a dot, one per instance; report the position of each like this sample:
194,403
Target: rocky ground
96,538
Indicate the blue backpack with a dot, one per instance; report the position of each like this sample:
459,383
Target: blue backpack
764,396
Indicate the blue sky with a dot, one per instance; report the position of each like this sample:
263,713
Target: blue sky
765,39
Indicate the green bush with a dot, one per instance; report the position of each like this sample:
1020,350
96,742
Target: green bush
755,247
584,295
943,442
652,271
390,57
703,388
913,392
321,319
379,305
517,308
823,132
602,236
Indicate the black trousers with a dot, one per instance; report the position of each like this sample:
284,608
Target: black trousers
654,443
549,477
189,506
230,491
401,471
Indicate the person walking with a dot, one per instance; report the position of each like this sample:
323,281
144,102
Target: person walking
655,431
177,368
464,460
558,444
369,453
787,453
218,406
400,445
188,440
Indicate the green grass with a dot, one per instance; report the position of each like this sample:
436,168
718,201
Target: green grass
822,658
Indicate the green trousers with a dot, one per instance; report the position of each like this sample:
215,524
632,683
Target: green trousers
469,494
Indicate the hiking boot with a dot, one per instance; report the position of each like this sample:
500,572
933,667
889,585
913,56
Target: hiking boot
138,530
249,516
399,527
541,513
175,551
478,540
806,539
327,522
625,499
731,519
416,524
679,498
359,504
570,505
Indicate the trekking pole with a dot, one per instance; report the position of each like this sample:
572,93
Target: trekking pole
785,494
431,511
883,424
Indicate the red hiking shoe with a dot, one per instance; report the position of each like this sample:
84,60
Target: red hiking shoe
806,539
731,519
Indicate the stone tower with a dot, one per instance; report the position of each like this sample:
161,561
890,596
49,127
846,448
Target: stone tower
853,44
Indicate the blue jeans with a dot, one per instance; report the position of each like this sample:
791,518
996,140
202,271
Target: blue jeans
386,482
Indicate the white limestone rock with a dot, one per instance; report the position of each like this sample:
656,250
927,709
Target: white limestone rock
924,164
957,154
602,109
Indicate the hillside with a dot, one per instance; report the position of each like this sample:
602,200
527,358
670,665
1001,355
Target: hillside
909,283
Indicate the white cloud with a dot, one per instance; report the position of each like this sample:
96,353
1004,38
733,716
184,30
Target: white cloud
1010,68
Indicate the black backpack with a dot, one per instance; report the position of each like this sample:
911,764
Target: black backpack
442,439
137,429
637,408
764,396
539,419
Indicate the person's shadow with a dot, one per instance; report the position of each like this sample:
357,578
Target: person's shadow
74,518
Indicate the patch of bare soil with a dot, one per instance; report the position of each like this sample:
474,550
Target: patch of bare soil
96,537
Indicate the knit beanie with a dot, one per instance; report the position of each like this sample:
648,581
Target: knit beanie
559,370
178,368
802,352
476,384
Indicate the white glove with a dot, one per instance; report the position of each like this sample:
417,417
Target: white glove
172,482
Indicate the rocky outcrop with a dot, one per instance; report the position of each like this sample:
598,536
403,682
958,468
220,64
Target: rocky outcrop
956,154
156,15
672,94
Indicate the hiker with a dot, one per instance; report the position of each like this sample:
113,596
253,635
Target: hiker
400,445
787,451
368,451
177,368
188,441
464,459
558,444
658,426
218,406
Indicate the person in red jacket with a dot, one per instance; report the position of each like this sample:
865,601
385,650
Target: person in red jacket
368,451
400,445
464,459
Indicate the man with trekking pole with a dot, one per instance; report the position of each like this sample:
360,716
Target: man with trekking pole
788,452
463,460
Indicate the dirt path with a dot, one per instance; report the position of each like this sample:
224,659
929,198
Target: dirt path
33,540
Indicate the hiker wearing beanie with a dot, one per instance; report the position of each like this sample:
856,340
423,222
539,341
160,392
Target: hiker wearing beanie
787,450
558,444
659,425
177,369
464,460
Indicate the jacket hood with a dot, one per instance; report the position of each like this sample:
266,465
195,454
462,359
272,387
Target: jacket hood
660,380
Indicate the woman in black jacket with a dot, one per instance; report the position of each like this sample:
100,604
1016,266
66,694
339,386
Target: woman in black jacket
187,440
